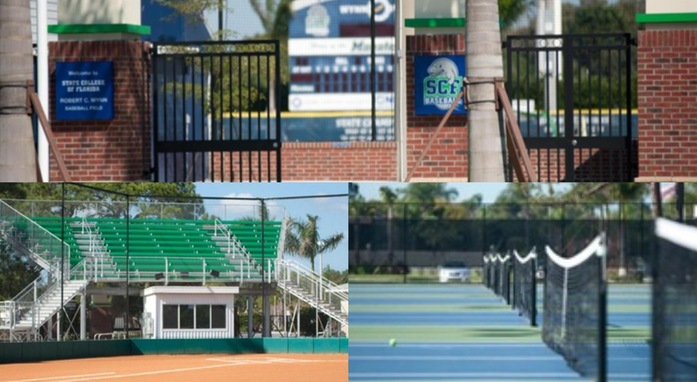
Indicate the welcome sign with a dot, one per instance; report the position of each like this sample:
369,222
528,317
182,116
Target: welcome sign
84,91
437,81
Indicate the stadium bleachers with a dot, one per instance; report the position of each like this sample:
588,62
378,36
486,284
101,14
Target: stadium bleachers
178,249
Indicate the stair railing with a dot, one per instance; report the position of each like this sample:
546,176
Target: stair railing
98,255
31,298
37,242
234,247
320,292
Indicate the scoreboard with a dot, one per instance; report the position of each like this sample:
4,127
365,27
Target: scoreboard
329,49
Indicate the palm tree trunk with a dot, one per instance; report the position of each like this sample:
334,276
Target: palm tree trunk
484,63
17,151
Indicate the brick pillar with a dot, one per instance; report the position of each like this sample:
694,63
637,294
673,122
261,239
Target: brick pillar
667,91
447,157
107,150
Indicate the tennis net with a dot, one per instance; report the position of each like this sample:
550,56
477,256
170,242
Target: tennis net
525,285
574,309
675,303
498,275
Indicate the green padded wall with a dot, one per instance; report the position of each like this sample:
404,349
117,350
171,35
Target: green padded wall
46,351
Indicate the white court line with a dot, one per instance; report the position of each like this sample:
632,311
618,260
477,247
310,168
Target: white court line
269,360
489,358
67,376
449,345
258,360
169,371
495,375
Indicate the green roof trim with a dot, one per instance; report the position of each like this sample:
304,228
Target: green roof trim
99,28
435,22
659,18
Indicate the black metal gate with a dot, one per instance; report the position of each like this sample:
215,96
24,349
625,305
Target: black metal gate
216,113
573,96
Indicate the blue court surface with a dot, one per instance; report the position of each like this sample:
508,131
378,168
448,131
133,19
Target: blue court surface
465,333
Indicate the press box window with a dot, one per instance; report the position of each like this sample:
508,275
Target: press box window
193,317
170,317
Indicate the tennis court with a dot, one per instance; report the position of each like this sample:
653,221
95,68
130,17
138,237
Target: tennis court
185,368
465,332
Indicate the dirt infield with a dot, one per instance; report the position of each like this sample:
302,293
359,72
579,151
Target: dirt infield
185,368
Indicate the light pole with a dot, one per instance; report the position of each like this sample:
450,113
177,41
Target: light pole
319,289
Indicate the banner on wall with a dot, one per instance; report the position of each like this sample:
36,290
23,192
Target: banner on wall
84,91
437,81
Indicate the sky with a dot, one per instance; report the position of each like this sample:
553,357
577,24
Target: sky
240,19
332,212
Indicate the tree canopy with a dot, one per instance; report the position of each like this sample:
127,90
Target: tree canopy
303,239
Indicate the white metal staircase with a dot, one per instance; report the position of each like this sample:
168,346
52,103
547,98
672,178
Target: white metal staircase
21,317
35,313
316,291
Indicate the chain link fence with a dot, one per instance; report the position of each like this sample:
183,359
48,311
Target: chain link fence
410,243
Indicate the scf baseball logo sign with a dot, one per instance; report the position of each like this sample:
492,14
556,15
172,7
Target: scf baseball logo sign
438,80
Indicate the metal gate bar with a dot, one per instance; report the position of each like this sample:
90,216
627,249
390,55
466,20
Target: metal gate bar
586,134
216,115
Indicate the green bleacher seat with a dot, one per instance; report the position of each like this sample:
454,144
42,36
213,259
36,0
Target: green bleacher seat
159,245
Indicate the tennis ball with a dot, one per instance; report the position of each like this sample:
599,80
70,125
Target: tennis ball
393,342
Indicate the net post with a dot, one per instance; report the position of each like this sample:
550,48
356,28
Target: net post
533,293
602,311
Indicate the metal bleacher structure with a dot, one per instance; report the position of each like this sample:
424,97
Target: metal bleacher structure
104,250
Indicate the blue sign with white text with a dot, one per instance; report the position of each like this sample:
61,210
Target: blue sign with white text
437,81
84,91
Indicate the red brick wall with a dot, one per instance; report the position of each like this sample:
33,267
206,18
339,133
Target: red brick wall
667,76
355,161
446,158
314,161
243,167
115,150
119,150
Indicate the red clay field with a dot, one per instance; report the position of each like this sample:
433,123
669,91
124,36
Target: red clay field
185,368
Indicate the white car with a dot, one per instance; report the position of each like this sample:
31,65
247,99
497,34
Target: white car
453,271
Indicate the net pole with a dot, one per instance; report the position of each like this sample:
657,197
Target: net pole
533,308
602,316
515,291
565,296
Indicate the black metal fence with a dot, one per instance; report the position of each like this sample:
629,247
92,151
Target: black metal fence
414,242
574,97
216,111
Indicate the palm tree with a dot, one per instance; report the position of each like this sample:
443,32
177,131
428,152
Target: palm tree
17,152
484,63
303,239
275,17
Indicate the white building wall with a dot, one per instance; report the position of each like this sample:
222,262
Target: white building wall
190,333
155,297
439,9
671,6
52,10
